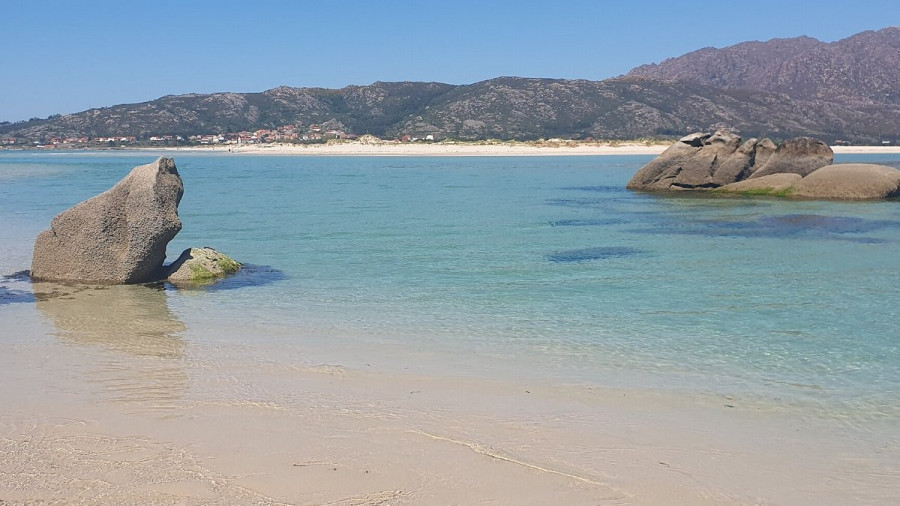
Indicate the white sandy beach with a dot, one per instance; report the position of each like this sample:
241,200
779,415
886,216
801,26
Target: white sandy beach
206,428
437,149
441,149
865,150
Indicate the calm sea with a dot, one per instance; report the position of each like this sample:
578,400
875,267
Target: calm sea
515,267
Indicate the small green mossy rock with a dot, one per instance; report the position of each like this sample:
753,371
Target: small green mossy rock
201,265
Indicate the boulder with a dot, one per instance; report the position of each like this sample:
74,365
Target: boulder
201,265
702,161
800,155
850,181
762,151
119,236
775,184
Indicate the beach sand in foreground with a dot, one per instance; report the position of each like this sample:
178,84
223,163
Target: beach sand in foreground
127,405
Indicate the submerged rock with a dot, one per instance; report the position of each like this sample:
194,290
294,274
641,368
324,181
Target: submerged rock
843,181
850,181
774,184
201,265
707,161
119,236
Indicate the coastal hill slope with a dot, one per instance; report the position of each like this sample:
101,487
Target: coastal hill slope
632,107
845,90
861,69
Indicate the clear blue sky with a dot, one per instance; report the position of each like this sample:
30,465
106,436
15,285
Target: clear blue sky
63,57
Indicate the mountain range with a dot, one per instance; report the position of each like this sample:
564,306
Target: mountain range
844,90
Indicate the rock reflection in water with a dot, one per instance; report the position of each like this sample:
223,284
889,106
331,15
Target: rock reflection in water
133,321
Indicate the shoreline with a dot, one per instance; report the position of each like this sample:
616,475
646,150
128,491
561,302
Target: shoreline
223,427
388,149
398,149
438,149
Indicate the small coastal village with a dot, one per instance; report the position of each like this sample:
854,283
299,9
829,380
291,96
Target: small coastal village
287,134
290,134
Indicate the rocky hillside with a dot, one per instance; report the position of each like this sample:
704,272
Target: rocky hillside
783,88
629,108
862,70
364,109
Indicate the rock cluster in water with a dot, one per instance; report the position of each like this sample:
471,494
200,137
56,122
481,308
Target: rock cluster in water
800,167
117,237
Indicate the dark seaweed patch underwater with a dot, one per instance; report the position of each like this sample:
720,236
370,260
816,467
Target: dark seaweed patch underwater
10,295
792,226
586,254
587,222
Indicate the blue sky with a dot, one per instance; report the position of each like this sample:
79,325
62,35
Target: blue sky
63,57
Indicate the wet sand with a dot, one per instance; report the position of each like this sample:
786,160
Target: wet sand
110,396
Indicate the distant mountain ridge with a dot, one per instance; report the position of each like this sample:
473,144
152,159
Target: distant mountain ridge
863,69
845,90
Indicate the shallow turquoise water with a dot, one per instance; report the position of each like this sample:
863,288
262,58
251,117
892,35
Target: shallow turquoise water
522,267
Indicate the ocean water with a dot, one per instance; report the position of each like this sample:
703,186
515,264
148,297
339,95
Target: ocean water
510,267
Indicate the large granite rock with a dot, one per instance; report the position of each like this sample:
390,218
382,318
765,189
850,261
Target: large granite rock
850,181
800,155
119,236
687,163
706,161
200,266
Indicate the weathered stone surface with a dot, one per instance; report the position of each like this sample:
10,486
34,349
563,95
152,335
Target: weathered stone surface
703,161
772,184
800,155
201,265
735,166
659,172
689,163
850,181
119,236
762,151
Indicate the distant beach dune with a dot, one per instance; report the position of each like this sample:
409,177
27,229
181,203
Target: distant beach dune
473,149
865,150
435,149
